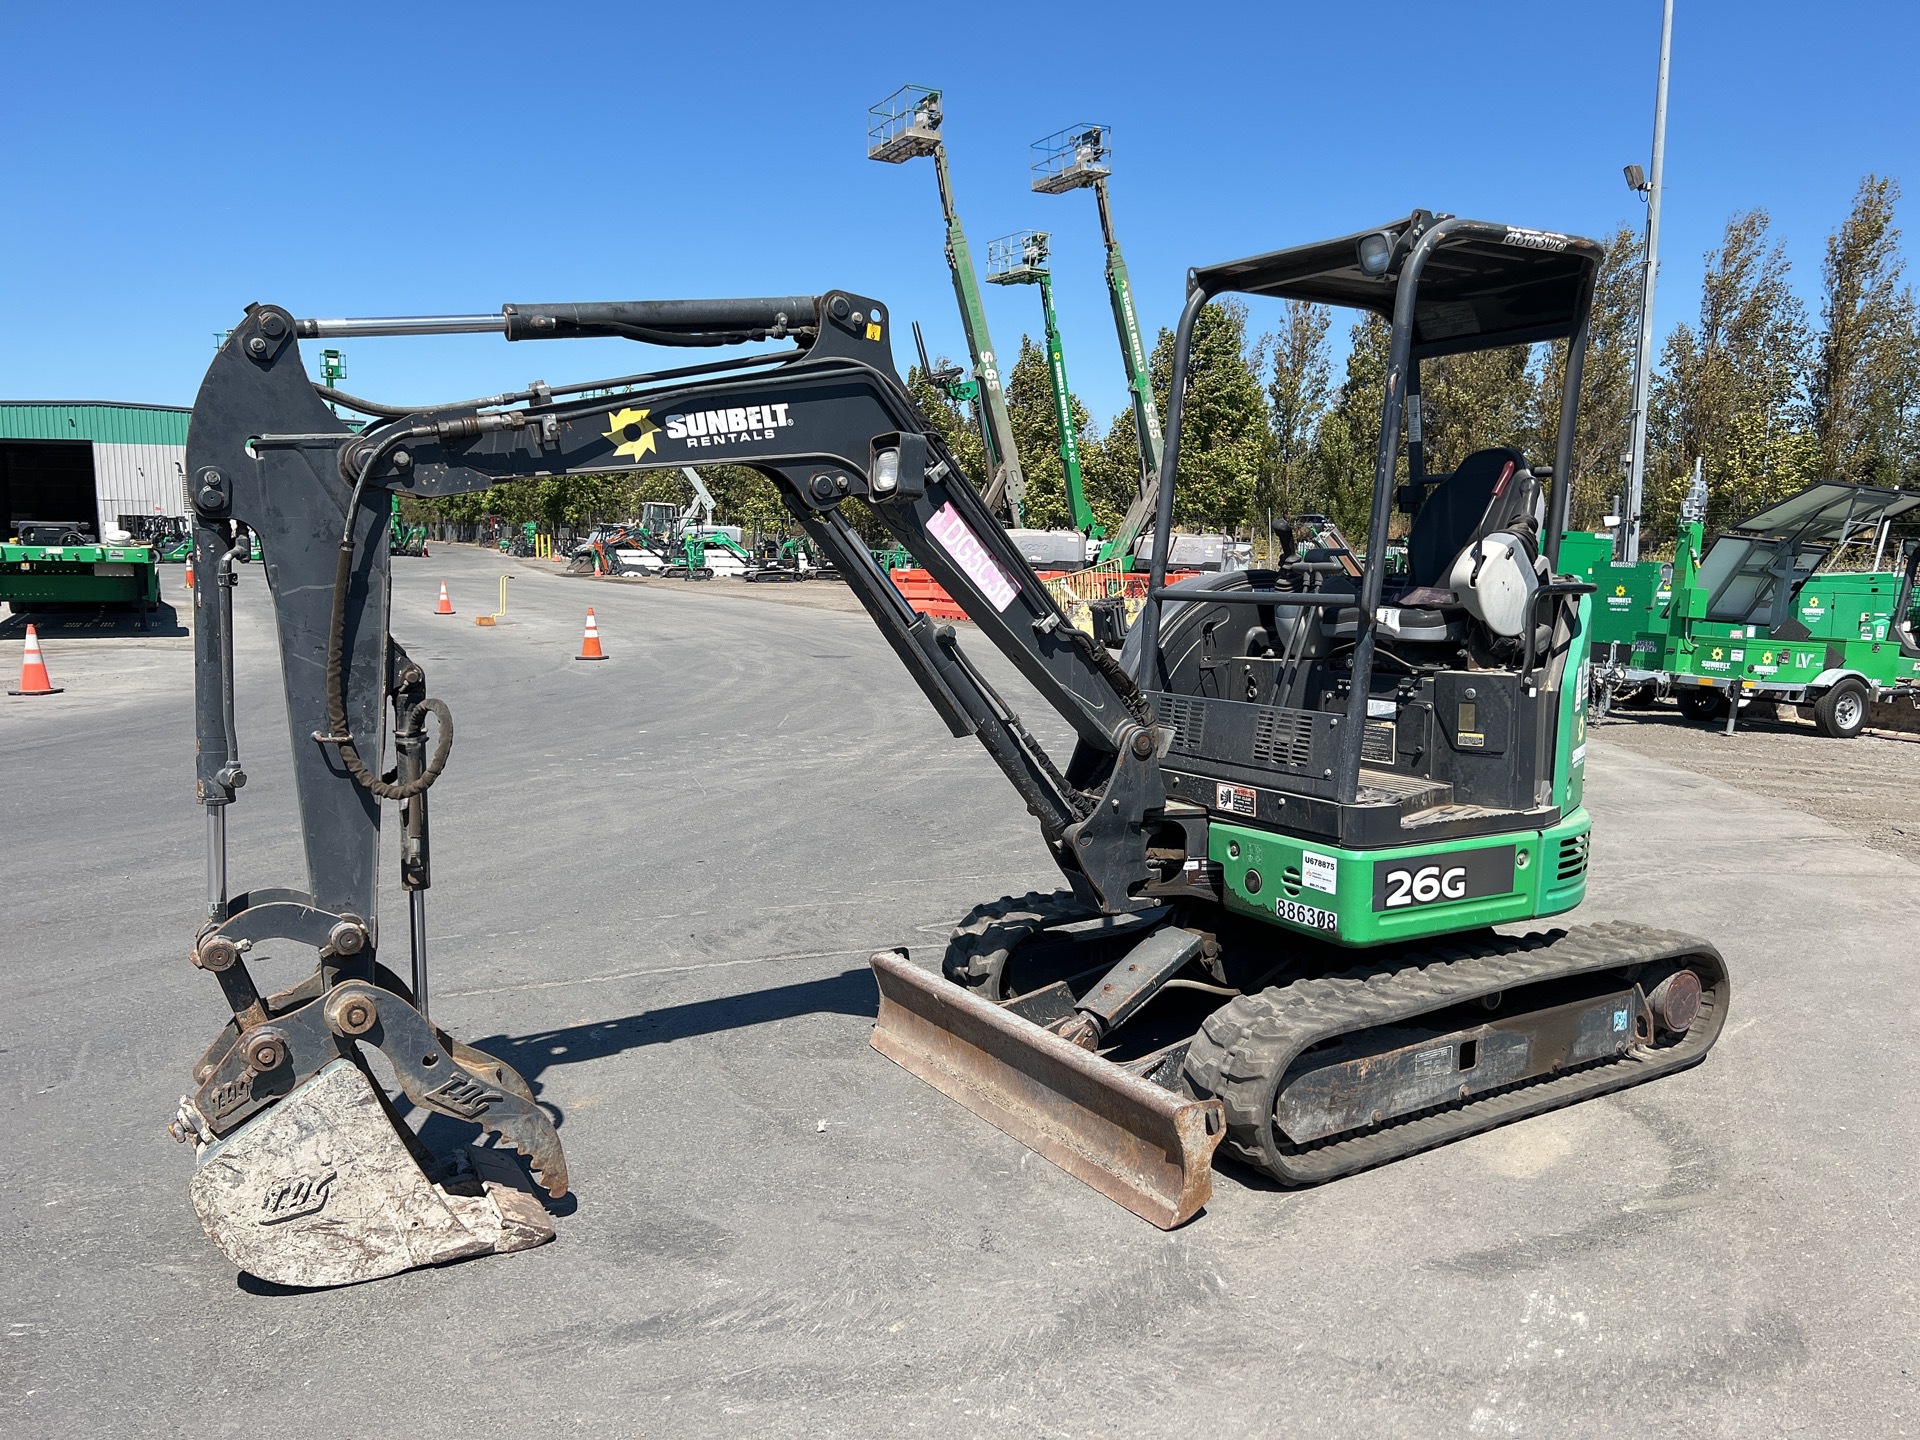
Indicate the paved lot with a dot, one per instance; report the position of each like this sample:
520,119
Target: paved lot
657,879
1869,786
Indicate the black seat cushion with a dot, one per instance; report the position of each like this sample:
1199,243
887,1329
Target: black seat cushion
1457,512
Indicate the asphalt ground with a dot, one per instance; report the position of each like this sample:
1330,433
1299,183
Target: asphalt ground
1868,787
656,880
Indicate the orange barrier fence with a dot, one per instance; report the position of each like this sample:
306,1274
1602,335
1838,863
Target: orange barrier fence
1072,588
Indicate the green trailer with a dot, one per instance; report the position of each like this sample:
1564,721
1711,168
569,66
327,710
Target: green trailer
1755,616
41,577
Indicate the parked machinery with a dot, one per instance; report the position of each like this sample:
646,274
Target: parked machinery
1079,158
905,126
1759,615
1297,803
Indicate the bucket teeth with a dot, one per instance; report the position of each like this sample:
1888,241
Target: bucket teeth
457,1080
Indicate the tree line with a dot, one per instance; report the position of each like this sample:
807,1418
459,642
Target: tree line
1768,397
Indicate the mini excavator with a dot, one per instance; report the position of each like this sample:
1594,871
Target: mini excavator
1299,801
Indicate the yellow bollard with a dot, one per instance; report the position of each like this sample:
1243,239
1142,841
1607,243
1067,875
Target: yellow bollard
500,614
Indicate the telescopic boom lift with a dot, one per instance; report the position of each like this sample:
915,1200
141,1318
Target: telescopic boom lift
1021,259
905,126
1076,159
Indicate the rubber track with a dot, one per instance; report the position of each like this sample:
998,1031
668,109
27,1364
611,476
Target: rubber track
978,949
1245,1047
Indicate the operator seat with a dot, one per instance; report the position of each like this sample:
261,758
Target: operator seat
1492,490
1475,544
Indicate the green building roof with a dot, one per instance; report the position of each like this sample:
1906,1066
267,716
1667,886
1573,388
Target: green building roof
106,421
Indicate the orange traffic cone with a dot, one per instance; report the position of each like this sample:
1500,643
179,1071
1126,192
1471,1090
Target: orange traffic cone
590,646
445,607
34,679
189,572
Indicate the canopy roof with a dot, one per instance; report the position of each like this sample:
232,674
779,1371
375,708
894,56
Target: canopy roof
1484,287
1828,510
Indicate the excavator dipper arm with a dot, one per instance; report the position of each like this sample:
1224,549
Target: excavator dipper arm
828,422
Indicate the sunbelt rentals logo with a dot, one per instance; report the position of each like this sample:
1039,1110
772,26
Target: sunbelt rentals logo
741,424
633,433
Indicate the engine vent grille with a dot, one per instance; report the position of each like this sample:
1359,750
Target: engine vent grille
1284,738
1186,718
1573,857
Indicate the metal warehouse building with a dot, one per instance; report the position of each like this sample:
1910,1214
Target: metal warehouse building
92,461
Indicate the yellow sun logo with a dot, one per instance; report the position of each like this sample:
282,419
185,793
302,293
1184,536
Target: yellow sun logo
634,432
1718,653
1619,589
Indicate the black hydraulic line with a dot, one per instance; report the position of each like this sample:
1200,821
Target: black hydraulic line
341,735
548,392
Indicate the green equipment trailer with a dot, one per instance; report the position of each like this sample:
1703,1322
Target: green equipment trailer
85,491
1756,617
40,577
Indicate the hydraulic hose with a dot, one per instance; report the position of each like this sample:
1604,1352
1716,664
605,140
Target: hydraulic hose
336,649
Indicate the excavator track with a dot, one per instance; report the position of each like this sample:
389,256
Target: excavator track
1249,1047
987,936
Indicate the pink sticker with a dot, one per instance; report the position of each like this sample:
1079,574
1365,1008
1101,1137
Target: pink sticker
971,556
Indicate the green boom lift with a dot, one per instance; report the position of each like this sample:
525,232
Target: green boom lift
1021,259
1076,159
905,126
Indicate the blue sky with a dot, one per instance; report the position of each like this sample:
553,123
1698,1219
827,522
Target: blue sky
165,169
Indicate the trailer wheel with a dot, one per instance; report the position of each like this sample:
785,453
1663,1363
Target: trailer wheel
1703,705
1842,712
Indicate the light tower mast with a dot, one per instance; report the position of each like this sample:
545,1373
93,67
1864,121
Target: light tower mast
905,126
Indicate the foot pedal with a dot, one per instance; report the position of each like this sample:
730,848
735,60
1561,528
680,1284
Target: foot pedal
321,1190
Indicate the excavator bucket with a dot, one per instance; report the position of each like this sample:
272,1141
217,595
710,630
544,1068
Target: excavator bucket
321,1190
1144,1147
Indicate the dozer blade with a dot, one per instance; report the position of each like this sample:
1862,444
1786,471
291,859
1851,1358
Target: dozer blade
321,1189
1144,1147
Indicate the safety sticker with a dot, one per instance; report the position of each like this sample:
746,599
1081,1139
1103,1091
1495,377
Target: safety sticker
1319,872
1579,756
1235,799
959,541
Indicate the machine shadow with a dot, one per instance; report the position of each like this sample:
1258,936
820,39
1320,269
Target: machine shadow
851,992
87,622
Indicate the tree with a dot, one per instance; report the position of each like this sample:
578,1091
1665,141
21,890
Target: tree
1604,430
1861,374
1110,470
1036,433
957,428
1298,395
1347,440
1732,392
1475,401
1223,422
